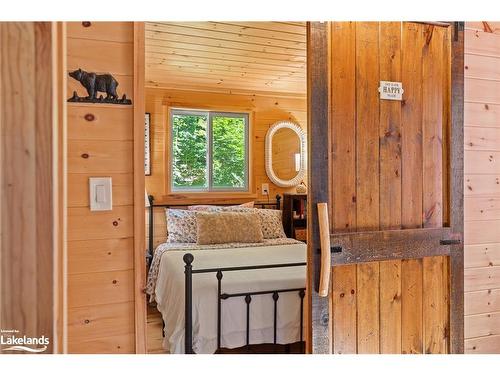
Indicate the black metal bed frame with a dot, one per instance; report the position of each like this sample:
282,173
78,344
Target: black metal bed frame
152,205
221,296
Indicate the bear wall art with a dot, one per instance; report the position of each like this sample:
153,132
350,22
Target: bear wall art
95,83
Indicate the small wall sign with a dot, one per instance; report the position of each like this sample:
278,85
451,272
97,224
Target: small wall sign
147,145
391,90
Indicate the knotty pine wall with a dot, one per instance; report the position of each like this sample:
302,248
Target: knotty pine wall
101,244
482,187
266,109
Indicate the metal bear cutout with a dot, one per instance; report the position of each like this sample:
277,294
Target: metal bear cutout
95,83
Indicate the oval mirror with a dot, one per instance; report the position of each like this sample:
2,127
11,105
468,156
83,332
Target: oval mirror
285,154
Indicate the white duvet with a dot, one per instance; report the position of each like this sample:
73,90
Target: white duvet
169,295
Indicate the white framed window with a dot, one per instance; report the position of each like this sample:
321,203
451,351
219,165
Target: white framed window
209,151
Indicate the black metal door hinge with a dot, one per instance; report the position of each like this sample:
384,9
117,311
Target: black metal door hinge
333,249
450,242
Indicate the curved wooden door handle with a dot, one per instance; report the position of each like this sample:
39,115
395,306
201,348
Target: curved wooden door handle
324,235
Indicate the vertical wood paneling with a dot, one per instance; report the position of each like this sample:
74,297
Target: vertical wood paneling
343,180
367,178
343,117
411,207
380,150
367,126
344,300
435,291
390,187
411,137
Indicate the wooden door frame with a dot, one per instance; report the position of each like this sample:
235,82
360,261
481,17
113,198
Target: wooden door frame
319,322
48,79
139,188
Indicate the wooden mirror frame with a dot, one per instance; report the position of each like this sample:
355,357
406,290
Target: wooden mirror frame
269,153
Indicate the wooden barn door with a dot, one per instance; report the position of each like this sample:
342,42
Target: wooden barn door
386,187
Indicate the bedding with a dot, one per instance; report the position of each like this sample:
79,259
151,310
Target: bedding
166,287
271,222
227,227
181,225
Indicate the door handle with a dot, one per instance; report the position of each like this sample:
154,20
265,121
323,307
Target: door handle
324,236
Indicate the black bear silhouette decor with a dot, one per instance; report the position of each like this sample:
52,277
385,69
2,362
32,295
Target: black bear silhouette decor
95,83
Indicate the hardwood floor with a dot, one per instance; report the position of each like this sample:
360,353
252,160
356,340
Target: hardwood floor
154,332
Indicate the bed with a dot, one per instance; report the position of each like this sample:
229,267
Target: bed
229,295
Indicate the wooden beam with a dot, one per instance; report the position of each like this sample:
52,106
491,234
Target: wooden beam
318,129
139,203
457,188
360,247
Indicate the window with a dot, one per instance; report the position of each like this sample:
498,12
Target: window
209,151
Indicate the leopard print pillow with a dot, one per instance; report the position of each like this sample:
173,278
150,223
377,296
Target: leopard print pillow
181,225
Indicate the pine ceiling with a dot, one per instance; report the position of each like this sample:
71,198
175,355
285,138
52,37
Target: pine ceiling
227,56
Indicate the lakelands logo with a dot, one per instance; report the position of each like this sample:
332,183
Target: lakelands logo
11,340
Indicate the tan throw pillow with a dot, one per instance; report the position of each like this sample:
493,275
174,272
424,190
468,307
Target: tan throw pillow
181,225
227,227
270,220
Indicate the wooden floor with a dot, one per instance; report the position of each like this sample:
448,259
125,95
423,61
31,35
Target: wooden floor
154,335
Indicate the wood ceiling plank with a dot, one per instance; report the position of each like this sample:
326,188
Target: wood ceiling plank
183,49
262,86
180,29
178,73
153,58
238,45
257,29
280,27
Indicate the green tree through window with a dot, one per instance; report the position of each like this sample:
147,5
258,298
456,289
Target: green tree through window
209,151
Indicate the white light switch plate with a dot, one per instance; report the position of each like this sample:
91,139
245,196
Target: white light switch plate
101,197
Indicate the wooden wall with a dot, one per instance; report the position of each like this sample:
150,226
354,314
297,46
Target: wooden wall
482,187
389,172
101,244
27,189
265,111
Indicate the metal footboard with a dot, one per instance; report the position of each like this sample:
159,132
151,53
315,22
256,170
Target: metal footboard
219,273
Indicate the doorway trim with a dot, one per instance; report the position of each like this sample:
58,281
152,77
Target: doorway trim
139,189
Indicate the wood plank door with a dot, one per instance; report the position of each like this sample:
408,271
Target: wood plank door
386,272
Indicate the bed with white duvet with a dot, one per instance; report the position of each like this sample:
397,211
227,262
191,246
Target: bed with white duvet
166,287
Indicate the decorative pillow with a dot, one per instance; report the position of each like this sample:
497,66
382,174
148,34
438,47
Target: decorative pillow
181,225
270,221
227,227
211,208
204,207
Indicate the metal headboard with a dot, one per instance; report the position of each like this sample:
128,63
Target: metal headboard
152,205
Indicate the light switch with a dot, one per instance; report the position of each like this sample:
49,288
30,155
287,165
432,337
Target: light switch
100,194
100,189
